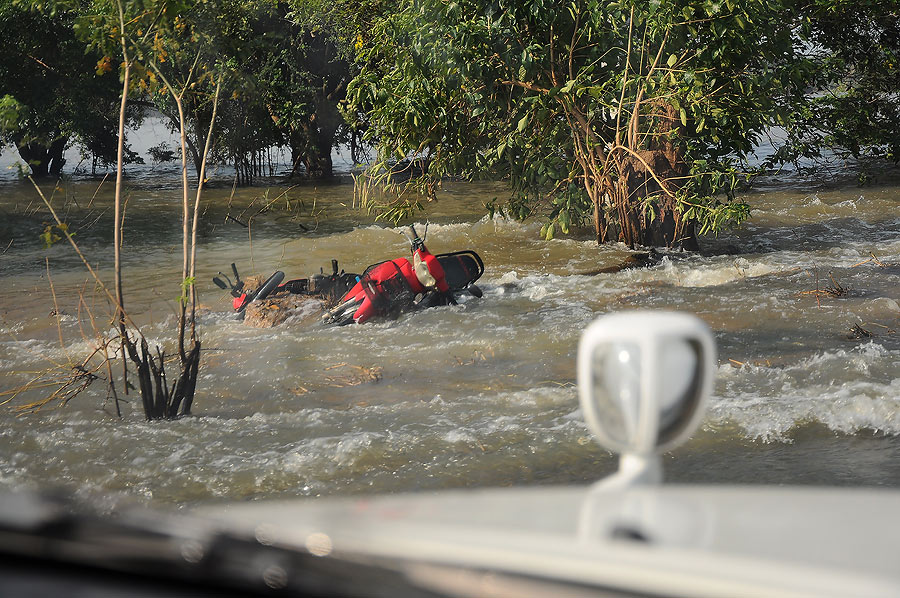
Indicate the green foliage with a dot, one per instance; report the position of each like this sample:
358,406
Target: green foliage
176,48
50,236
851,110
284,66
53,90
564,99
186,286
10,110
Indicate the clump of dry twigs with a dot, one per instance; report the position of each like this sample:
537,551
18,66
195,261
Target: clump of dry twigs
858,332
67,377
834,290
357,375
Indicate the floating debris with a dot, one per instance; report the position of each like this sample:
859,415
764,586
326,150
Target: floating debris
858,332
870,260
273,311
835,290
358,375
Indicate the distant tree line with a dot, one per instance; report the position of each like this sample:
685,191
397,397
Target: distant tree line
634,118
285,67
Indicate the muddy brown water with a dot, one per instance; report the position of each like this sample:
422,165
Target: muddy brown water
479,394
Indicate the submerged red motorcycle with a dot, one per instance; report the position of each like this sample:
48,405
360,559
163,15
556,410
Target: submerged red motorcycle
383,290
389,288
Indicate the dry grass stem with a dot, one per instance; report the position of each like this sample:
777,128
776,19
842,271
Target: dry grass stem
871,259
758,363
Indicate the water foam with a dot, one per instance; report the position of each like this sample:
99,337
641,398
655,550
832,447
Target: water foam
847,391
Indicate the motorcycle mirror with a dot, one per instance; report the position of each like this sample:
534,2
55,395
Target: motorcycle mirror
220,283
416,242
475,291
237,277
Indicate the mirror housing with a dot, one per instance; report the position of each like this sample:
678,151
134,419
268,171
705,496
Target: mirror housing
643,382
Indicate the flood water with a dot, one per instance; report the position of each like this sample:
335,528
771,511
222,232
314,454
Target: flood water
474,395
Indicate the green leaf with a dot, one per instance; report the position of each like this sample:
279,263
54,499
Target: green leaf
548,231
523,122
672,60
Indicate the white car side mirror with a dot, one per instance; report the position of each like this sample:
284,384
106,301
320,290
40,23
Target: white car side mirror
643,382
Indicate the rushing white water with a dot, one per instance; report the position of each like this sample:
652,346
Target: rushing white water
478,394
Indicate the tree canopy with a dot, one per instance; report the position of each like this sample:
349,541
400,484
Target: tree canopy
635,118
852,107
284,65
55,90
634,115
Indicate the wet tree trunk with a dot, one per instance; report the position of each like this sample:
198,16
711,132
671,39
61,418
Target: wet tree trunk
44,160
312,143
630,221
634,184
160,399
